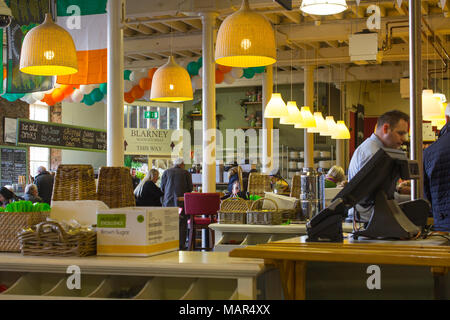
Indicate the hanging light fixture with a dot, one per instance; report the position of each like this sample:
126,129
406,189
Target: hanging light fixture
171,82
323,7
320,123
308,120
294,115
331,126
48,50
431,106
341,131
276,108
245,39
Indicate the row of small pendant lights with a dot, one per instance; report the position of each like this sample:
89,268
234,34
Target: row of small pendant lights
245,39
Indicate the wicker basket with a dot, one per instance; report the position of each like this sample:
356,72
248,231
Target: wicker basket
258,184
233,211
11,223
115,187
256,215
74,182
54,241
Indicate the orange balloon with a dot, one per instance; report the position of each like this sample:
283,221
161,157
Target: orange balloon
57,95
67,89
128,97
48,99
224,69
219,76
145,84
5,72
151,72
137,92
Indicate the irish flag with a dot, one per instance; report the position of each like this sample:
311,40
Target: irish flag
86,21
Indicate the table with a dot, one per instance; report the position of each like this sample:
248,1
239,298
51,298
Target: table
291,257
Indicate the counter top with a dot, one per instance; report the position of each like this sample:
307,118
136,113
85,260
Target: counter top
195,263
251,228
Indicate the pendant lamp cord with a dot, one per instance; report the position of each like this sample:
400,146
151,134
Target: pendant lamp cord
276,63
291,61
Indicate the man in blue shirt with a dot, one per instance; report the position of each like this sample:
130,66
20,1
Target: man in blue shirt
391,132
436,167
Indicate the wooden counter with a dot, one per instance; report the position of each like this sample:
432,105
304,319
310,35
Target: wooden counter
291,257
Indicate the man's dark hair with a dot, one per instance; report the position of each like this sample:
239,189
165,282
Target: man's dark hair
392,118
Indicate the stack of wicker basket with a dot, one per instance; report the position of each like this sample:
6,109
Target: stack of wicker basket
115,187
257,215
74,182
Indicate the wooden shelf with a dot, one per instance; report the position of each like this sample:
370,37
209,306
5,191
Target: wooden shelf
253,102
246,128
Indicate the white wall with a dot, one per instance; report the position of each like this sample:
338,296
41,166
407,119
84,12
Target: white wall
79,114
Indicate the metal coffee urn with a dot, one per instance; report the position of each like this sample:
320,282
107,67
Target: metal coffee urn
312,195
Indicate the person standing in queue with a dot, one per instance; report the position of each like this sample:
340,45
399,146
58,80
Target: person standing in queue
44,183
31,193
147,193
391,132
436,165
135,179
175,182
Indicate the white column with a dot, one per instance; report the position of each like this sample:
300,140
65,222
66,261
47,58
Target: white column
209,103
267,123
309,101
115,138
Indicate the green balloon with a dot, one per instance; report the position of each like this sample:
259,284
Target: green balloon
103,87
13,96
249,73
126,74
88,100
96,95
259,69
200,62
192,68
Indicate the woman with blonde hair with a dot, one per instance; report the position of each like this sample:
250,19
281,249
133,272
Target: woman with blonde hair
335,176
147,193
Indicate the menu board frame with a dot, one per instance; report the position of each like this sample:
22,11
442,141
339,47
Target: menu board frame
19,143
26,162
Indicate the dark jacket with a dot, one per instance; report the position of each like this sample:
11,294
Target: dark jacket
33,199
136,181
44,183
436,168
232,179
150,195
175,182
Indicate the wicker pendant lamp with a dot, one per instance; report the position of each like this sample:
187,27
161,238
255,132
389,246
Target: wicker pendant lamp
171,83
48,50
245,39
323,7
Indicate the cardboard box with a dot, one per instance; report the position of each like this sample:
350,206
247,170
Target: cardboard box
137,231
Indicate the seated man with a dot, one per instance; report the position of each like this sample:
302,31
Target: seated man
391,132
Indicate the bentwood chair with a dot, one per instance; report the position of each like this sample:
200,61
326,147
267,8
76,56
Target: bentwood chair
201,208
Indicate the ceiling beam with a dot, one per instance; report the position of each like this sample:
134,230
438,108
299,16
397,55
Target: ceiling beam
295,17
141,28
159,27
177,25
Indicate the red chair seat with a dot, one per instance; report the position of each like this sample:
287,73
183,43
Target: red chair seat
204,221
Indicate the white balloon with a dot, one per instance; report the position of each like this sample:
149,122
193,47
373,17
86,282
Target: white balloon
237,72
68,98
57,85
135,76
127,85
38,95
228,78
200,72
87,88
77,95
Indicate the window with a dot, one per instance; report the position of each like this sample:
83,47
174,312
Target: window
169,116
39,156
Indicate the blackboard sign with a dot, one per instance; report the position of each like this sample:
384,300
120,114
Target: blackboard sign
60,136
14,164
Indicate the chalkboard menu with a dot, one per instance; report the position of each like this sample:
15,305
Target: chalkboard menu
14,164
60,136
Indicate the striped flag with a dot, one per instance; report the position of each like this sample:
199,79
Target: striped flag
86,21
